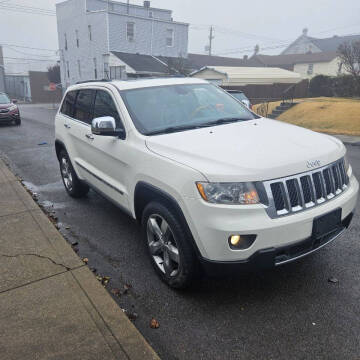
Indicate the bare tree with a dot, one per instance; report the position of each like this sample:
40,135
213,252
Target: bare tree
349,54
177,66
54,74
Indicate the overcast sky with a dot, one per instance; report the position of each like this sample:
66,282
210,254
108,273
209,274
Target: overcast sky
239,25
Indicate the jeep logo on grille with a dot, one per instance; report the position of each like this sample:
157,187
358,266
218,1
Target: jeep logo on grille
313,164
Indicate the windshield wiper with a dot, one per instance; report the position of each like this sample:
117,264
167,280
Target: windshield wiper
173,129
223,121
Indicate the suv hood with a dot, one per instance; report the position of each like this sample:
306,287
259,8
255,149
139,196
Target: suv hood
255,150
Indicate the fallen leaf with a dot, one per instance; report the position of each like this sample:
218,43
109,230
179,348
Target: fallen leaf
314,324
333,280
154,324
116,292
132,316
98,277
85,260
127,286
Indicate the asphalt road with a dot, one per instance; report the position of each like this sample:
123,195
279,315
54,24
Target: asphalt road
291,312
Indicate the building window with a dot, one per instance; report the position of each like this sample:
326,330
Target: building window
79,68
77,38
130,31
310,69
111,6
90,34
95,69
116,72
169,37
151,14
68,69
66,44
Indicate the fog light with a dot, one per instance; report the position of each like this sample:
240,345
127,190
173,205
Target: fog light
235,239
241,242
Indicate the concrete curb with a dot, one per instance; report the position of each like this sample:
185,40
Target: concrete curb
51,304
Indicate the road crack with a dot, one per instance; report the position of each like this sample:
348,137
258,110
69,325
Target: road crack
39,256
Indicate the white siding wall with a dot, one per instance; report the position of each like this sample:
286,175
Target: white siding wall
330,68
72,16
150,36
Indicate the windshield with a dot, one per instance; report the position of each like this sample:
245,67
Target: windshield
4,99
166,109
239,95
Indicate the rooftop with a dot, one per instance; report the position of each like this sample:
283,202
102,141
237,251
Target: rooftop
291,59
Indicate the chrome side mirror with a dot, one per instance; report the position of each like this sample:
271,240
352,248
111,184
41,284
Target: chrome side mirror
106,126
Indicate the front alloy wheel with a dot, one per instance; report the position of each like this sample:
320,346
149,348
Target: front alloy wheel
162,245
169,245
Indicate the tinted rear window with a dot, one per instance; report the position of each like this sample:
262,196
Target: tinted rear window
68,106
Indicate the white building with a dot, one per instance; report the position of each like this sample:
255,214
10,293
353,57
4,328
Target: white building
90,30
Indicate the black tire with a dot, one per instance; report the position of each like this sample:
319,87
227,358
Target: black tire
73,185
18,122
188,268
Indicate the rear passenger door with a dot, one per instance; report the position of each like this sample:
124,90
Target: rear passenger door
79,131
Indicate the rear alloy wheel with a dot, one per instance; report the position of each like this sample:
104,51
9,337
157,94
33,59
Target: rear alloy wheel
169,247
73,185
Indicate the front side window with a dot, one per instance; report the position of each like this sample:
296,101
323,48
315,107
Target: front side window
77,38
165,109
169,37
116,72
84,105
4,99
105,106
95,69
79,68
310,69
68,105
130,31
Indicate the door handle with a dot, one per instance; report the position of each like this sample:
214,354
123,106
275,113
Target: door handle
89,136
67,126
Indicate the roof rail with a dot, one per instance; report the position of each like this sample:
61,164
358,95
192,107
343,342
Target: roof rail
91,81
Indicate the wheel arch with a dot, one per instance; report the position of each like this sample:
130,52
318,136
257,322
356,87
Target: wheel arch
146,193
59,145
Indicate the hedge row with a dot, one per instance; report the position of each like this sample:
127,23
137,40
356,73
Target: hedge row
339,86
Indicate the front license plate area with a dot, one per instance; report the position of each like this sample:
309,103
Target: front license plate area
327,224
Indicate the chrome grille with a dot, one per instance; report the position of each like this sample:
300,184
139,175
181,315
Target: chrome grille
300,192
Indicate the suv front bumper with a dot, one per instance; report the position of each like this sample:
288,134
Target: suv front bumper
212,225
271,257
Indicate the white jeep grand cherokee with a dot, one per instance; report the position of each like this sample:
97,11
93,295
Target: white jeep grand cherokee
213,185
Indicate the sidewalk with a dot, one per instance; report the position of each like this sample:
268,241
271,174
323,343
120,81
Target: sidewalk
51,305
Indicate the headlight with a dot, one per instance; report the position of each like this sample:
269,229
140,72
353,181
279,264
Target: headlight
228,193
12,108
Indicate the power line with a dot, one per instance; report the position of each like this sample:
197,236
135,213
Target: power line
27,47
25,59
27,9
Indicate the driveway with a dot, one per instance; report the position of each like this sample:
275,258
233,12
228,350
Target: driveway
291,312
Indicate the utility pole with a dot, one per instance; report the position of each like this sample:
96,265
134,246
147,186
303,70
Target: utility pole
211,38
128,7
